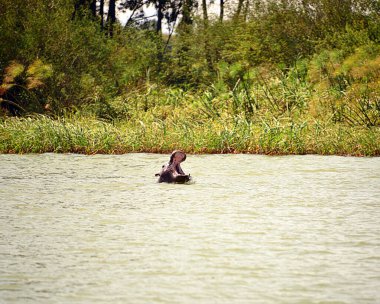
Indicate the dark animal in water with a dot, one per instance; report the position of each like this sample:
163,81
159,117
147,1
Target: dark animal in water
172,171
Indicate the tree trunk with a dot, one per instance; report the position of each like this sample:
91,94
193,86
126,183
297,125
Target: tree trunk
111,18
160,15
238,11
221,16
204,10
93,8
101,13
206,42
79,4
186,12
78,7
246,10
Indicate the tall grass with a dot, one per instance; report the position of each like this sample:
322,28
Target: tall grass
88,135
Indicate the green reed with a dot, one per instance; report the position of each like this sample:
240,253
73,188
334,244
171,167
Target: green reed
271,135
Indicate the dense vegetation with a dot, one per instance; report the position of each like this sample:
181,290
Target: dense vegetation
275,77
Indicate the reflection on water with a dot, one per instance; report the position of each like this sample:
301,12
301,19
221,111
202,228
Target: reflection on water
250,229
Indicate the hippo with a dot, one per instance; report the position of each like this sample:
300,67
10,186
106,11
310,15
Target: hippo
172,171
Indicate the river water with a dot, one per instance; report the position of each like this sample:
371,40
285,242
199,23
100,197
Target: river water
247,229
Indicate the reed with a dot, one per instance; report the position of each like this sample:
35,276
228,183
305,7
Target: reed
88,135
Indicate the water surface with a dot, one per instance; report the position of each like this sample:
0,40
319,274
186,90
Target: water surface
249,229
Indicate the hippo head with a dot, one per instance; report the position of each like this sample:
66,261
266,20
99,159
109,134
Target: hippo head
172,171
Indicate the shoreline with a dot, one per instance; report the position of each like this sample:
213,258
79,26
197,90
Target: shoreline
189,153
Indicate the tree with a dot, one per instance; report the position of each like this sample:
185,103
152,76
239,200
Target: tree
135,8
205,14
187,12
101,13
81,6
93,7
160,15
238,10
206,42
221,12
111,17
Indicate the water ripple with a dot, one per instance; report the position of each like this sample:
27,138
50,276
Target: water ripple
249,229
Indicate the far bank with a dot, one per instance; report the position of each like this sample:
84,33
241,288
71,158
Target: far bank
87,135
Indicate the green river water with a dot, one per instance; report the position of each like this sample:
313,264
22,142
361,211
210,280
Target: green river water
247,229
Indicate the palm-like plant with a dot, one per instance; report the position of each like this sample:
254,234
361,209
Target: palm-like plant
20,83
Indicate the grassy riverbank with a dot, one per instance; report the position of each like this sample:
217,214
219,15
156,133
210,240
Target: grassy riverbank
87,135
285,78
268,111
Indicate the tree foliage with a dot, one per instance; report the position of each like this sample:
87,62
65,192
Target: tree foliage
76,53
